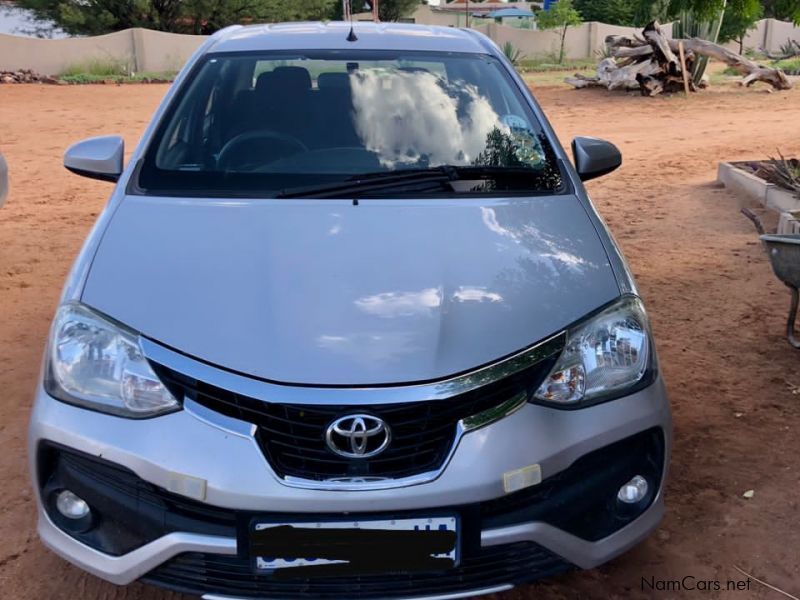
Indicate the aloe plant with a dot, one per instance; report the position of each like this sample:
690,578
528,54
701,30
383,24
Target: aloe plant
689,26
512,53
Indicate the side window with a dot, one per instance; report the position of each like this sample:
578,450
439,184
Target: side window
193,126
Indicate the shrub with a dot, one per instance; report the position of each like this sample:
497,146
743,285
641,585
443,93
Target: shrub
98,68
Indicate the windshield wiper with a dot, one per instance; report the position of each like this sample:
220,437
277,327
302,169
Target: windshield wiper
411,180
407,181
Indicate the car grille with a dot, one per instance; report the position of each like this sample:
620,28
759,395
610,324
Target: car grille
196,573
292,436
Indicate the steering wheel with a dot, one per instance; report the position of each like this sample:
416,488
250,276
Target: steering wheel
252,149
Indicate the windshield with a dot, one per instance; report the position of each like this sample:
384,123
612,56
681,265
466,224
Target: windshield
262,124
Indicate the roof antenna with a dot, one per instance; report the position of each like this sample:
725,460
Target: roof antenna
348,15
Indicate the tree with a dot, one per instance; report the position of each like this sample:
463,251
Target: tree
500,151
703,16
94,17
613,12
667,10
303,10
559,16
783,10
740,17
388,10
394,10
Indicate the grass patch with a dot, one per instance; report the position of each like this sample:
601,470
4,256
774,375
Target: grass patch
546,71
790,65
114,71
553,78
147,77
720,77
547,64
97,68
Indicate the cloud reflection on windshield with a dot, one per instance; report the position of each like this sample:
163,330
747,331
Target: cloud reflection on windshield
394,122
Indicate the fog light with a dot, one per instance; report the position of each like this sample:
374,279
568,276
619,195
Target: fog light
634,491
71,506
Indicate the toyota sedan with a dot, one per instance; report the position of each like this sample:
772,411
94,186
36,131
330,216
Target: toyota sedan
348,327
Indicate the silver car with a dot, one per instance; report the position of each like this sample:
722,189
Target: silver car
349,326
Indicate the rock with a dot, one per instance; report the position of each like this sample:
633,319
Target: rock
25,76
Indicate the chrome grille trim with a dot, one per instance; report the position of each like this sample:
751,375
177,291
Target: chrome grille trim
285,393
276,393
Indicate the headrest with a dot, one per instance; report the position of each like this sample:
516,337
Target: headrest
327,81
291,79
264,81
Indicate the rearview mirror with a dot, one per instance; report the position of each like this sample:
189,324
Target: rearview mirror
98,157
3,180
594,158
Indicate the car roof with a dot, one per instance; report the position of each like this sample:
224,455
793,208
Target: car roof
333,36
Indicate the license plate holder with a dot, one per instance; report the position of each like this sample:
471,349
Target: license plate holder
287,548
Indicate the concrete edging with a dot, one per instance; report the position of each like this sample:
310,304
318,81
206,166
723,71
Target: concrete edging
748,185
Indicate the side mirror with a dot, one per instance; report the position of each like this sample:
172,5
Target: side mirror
3,180
97,157
594,158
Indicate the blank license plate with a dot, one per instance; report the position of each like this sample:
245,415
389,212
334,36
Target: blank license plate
355,547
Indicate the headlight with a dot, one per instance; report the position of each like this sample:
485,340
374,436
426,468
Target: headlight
603,356
96,363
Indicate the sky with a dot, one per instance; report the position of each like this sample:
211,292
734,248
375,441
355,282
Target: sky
18,21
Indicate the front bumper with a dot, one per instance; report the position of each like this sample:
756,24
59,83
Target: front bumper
224,467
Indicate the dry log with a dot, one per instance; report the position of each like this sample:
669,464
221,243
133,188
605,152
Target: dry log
633,51
613,77
622,41
579,81
661,46
753,71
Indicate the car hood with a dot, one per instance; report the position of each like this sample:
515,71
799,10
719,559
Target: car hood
329,292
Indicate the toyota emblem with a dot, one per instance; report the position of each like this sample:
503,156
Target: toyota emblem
358,436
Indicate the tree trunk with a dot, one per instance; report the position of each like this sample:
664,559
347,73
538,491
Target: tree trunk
751,70
563,39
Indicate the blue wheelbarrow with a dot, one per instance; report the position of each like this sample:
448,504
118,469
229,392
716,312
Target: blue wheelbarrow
784,255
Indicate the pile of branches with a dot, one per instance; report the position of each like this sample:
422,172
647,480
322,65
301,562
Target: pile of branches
25,76
652,64
783,172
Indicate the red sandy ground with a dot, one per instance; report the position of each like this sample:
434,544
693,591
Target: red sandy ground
717,311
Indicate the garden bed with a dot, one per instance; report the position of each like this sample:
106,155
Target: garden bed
757,181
